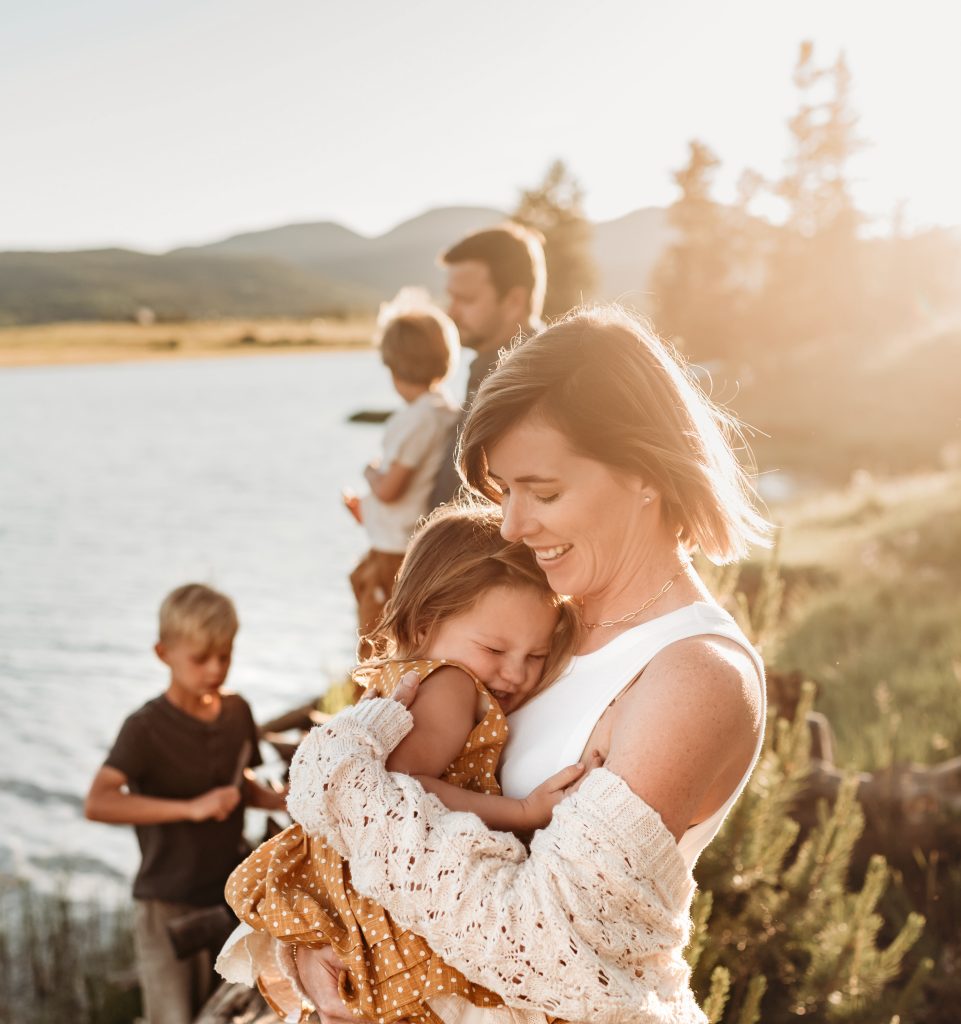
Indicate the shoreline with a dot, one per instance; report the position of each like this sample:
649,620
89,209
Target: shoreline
101,342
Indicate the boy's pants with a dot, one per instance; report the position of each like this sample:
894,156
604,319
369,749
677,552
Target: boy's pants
373,581
173,990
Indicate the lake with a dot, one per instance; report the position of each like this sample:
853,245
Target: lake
119,482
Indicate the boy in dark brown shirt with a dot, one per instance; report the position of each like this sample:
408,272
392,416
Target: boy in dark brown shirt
175,772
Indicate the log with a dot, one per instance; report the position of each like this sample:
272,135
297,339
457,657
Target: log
235,1004
303,718
369,416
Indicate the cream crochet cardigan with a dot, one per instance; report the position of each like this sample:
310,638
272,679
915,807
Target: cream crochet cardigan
589,926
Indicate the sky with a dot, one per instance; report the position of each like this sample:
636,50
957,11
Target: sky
151,125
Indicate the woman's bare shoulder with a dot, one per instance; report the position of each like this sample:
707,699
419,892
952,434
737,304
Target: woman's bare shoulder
708,669
687,728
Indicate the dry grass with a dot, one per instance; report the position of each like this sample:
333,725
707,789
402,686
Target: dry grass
104,342
840,528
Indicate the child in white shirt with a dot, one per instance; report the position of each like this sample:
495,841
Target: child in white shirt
419,345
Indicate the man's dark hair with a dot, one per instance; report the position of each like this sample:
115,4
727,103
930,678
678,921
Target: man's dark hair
514,256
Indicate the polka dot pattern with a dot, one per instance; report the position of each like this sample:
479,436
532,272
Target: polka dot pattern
298,889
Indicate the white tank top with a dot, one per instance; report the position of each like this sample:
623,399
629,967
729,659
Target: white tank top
552,729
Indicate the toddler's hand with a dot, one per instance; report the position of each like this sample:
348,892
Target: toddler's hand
352,504
216,804
538,806
594,760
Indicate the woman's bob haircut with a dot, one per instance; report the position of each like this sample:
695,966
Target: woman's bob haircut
619,395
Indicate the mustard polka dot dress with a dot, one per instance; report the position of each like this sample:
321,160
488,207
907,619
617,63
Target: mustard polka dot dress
298,889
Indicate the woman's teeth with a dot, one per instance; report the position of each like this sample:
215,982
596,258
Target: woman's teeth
549,554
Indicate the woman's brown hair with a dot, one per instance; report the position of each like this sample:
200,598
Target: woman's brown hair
456,556
620,396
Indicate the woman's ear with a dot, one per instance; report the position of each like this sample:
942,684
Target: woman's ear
647,492
644,489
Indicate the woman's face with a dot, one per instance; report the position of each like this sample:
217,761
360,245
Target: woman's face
583,520
504,639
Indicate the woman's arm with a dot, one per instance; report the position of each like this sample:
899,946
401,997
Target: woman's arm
705,697
601,902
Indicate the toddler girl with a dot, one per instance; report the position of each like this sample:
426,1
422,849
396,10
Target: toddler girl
474,617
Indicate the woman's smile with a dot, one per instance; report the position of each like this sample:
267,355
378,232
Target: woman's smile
550,554
577,515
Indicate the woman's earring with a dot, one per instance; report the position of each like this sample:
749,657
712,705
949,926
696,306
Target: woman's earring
647,499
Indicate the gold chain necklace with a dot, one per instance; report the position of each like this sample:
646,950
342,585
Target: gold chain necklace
647,604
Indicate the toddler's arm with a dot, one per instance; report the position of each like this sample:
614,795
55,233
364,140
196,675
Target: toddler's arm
391,483
503,813
109,801
444,714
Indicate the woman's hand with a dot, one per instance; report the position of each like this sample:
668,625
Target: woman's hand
319,971
404,693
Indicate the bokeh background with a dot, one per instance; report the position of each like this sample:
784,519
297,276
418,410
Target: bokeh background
204,205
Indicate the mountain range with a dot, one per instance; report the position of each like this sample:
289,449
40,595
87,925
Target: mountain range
295,270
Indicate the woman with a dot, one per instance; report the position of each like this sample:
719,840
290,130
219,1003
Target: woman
612,466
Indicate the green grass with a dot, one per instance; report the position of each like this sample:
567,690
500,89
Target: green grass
881,633
62,960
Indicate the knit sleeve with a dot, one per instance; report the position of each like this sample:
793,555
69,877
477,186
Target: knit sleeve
589,926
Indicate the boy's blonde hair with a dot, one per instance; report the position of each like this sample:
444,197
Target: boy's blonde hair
456,556
198,612
418,342
618,395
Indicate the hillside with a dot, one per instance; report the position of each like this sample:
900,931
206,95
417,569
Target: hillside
833,408
407,254
294,270
112,284
626,250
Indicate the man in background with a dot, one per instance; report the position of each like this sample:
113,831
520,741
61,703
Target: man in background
496,281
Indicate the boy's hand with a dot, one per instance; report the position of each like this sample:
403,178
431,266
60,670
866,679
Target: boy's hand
352,504
216,804
538,806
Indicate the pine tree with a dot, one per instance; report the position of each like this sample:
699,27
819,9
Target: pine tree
778,930
815,284
698,282
556,209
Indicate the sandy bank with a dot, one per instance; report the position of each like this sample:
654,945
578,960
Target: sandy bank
96,342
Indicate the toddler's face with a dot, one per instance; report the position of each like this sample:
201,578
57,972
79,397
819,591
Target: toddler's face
503,639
